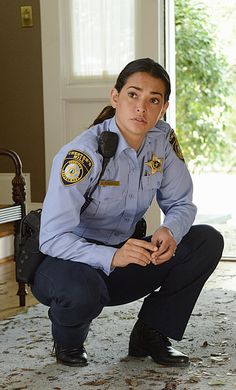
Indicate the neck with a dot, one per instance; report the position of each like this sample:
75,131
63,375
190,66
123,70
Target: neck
134,141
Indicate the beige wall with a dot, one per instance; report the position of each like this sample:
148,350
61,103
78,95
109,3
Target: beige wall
21,94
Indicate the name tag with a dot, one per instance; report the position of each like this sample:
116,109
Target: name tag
109,183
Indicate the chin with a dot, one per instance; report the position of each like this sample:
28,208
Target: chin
140,128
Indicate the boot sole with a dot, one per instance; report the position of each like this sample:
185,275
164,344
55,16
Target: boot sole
160,362
82,364
181,364
142,354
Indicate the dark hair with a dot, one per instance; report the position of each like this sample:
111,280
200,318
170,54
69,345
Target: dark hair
146,65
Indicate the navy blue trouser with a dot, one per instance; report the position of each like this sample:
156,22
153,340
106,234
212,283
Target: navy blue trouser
76,293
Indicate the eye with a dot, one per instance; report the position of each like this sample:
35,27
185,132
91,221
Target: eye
155,101
132,95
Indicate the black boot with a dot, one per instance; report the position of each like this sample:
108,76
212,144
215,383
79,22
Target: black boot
75,357
146,341
69,344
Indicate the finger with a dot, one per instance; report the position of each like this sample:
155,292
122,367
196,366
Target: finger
159,262
143,244
166,247
129,251
163,257
140,262
125,256
140,254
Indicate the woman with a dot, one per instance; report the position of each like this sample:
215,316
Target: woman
92,259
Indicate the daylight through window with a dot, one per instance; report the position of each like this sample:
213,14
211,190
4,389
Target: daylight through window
102,36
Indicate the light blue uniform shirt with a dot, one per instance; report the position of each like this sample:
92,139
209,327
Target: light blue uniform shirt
115,209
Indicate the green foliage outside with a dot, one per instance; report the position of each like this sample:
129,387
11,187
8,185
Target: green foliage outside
204,82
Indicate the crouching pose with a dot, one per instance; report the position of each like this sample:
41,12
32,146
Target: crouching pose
99,190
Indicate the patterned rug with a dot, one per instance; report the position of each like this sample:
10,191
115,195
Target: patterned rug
210,340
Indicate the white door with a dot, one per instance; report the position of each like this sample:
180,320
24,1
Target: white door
70,104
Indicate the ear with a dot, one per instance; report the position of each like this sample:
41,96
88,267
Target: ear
163,111
114,95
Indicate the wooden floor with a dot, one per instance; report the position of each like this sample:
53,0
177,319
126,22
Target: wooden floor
9,301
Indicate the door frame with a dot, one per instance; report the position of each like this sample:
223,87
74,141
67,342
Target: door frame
56,88
153,39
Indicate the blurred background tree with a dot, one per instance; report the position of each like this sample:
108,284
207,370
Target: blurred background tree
204,84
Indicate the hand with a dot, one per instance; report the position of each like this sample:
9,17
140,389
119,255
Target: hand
164,240
134,251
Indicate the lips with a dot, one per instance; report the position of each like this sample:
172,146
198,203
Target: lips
140,119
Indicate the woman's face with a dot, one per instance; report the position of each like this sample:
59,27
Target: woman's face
139,105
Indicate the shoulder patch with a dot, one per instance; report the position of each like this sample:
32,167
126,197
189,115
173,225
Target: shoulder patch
75,167
175,145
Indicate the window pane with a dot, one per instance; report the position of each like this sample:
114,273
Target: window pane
102,36
214,194
216,199
206,96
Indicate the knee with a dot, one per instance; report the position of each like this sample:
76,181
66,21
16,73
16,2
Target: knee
86,290
213,237
81,298
212,240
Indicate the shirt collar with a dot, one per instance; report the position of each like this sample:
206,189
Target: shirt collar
122,144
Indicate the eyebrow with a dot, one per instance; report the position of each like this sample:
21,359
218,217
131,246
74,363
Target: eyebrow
140,89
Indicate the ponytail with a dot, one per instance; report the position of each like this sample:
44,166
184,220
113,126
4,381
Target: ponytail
106,113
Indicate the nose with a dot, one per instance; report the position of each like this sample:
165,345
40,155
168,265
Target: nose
141,108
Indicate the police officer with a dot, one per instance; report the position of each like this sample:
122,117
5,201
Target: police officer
93,258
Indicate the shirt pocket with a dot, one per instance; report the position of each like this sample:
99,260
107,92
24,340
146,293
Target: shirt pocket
149,187
108,200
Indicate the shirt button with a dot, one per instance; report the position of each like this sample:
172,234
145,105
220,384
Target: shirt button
131,196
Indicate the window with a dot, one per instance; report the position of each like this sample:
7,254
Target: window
99,26
205,125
